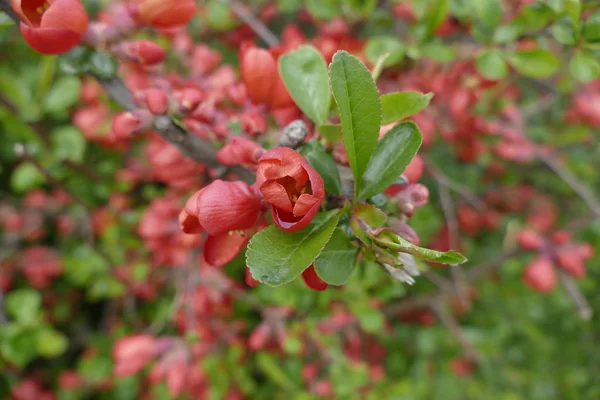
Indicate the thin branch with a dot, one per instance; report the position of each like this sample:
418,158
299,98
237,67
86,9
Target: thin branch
584,309
257,26
454,327
459,188
578,187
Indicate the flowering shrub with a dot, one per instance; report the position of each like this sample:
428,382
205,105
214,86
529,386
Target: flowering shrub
240,200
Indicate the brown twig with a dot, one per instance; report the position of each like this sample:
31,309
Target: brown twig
257,26
574,183
583,307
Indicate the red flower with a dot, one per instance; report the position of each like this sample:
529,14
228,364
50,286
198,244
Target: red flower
132,353
52,26
312,280
219,208
240,151
292,187
165,13
540,275
261,77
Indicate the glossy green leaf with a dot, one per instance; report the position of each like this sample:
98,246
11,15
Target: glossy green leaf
304,73
62,95
401,105
276,257
591,28
394,242
584,66
26,176
391,156
23,305
103,64
51,343
324,164
488,11
333,133
379,46
18,345
68,143
573,10
491,64
536,63
337,261
360,109
370,214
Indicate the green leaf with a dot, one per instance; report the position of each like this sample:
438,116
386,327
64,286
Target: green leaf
436,15
324,164
379,46
360,109
400,105
75,61
324,9
489,11
26,177
23,305
333,133
536,63
573,10
337,261
304,73
219,16
18,344
591,28
103,64
391,156
276,257
370,214
63,94
68,143
51,343
584,67
394,242
563,33
491,64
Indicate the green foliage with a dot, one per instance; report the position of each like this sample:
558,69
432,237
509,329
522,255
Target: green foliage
276,257
400,105
536,63
337,260
584,66
324,164
390,158
305,75
380,46
360,109
491,64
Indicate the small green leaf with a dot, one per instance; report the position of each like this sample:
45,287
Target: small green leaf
333,133
379,46
18,344
370,214
51,343
400,105
324,164
26,177
536,63
391,156
360,109
304,73
584,67
394,242
563,33
75,61
324,9
219,16
103,64
276,257
68,143
436,15
591,28
488,11
337,261
62,95
491,64
573,10
23,305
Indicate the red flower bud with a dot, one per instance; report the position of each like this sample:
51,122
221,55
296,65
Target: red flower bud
156,100
143,51
292,187
250,281
261,77
571,261
52,26
540,275
530,240
126,123
189,99
219,208
165,13
132,353
414,170
240,151
312,280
